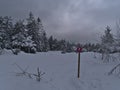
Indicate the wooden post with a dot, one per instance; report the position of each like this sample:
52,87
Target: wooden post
79,65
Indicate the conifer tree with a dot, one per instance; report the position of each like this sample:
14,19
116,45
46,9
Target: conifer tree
37,33
6,29
107,42
44,46
19,35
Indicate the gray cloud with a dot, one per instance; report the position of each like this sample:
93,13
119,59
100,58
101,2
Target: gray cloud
77,20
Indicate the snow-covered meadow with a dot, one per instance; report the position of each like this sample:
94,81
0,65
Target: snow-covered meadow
60,72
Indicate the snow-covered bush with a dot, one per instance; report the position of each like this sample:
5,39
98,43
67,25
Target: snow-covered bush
1,50
16,51
28,45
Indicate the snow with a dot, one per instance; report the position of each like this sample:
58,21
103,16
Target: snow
60,72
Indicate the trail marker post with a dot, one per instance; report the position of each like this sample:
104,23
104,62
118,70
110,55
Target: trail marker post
79,50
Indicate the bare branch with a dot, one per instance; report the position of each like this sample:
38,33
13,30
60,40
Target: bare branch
38,76
113,69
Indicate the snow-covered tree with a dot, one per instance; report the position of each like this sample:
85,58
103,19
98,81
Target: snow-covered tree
44,46
117,41
6,29
107,44
2,33
50,41
21,40
19,35
63,45
38,34
108,37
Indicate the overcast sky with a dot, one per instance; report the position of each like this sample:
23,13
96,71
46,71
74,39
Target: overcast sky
75,20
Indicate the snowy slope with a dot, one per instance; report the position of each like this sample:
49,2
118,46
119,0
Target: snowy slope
60,72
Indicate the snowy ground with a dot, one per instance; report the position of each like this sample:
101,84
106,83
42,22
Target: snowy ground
60,72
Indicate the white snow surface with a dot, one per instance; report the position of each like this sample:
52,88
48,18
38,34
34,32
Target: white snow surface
60,72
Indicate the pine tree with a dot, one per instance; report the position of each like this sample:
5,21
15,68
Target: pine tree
6,29
2,33
44,46
63,46
31,26
108,37
51,42
19,35
37,33
107,43
33,30
69,47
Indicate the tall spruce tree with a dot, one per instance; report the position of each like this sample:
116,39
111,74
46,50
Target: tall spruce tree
108,37
51,42
37,33
6,29
2,34
44,46
33,30
19,35
107,43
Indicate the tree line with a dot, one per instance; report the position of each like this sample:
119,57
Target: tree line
29,36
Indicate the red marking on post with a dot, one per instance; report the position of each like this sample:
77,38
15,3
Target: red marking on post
79,49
